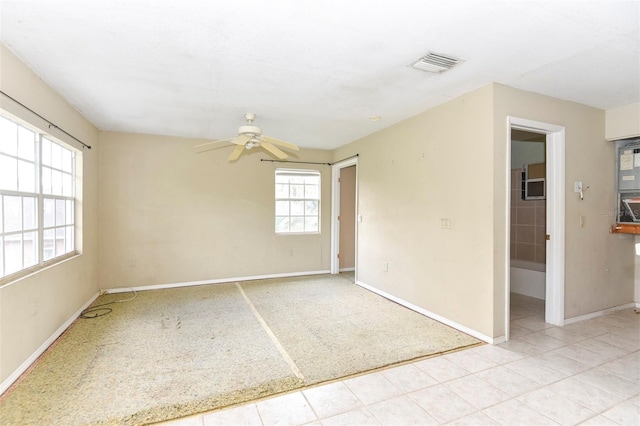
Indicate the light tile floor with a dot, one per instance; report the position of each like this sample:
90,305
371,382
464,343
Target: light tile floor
584,373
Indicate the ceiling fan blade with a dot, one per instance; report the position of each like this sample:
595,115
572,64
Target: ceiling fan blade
235,154
275,141
207,146
272,149
241,139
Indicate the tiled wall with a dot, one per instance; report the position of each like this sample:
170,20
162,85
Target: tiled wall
528,220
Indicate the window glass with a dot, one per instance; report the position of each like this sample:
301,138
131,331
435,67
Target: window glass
8,137
69,240
12,213
26,144
29,214
69,212
8,173
49,212
297,204
48,242
26,176
37,199
56,156
60,215
67,163
30,247
46,152
12,253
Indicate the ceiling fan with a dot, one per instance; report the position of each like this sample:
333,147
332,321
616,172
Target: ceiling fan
249,136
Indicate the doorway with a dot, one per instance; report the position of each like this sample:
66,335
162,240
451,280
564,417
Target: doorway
344,190
347,220
553,137
527,251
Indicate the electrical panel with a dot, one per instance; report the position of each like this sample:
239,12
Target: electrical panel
628,167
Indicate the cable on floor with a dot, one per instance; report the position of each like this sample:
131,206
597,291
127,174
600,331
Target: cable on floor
99,310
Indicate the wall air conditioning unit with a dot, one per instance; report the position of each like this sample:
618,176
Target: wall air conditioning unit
534,182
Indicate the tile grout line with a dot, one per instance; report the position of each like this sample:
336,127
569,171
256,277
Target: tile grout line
274,339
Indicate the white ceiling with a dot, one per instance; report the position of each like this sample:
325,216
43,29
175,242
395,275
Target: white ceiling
314,71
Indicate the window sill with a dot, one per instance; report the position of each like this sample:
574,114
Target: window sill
296,233
36,269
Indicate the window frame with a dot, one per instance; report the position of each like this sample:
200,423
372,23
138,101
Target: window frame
67,171
303,173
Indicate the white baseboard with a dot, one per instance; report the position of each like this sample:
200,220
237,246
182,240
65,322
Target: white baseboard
498,340
598,314
216,281
347,269
431,315
34,356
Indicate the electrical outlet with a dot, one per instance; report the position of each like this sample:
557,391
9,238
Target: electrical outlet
34,307
290,252
385,266
446,223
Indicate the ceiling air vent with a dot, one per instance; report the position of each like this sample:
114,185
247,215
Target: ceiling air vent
436,63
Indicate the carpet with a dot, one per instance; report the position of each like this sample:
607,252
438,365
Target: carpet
176,352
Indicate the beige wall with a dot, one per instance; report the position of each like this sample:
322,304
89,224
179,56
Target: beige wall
438,164
59,291
598,265
450,162
169,215
347,217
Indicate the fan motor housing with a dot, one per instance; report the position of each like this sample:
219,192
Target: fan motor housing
253,130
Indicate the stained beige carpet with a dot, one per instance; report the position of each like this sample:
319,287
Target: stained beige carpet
172,353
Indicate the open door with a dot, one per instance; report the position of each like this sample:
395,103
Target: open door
344,229
347,220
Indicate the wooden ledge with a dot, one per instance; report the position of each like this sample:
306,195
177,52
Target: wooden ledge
625,228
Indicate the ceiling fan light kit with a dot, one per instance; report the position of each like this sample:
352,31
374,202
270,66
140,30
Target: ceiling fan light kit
249,137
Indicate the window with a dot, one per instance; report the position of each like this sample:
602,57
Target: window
37,198
297,201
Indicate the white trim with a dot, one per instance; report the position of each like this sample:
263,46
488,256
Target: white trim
347,269
637,305
335,211
554,306
498,340
599,314
554,285
507,238
216,281
34,356
431,315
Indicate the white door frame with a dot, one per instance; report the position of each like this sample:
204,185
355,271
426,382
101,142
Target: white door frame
555,185
335,212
